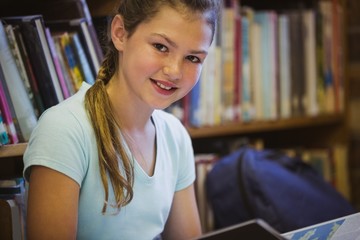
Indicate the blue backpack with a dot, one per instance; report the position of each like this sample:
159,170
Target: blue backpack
284,191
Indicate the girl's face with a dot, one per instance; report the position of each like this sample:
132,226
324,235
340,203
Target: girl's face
162,60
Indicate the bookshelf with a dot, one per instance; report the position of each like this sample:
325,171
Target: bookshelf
11,164
324,129
59,14
305,131
265,126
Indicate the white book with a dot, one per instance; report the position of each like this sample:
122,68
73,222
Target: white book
284,67
23,108
311,106
256,69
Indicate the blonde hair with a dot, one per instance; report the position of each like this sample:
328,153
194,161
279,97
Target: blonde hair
97,102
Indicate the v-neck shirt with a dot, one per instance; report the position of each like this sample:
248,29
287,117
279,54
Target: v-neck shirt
64,140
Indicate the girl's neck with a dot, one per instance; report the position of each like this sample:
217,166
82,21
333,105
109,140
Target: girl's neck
130,113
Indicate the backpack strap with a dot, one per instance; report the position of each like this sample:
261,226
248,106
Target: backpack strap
241,183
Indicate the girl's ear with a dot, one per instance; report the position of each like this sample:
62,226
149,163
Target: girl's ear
118,33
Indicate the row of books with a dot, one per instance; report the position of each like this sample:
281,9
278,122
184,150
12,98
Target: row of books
269,64
41,64
329,162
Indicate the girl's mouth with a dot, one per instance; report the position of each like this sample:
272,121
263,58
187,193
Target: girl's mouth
163,87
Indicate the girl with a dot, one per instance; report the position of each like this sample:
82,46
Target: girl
107,163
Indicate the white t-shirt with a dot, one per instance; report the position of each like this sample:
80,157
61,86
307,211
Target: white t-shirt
64,141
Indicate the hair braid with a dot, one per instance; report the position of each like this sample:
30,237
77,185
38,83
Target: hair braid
106,129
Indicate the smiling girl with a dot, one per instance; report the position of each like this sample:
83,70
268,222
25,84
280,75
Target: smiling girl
108,163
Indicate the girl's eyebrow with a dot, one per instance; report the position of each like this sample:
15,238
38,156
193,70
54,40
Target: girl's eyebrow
173,44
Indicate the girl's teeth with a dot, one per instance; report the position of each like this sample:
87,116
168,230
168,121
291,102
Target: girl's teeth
163,86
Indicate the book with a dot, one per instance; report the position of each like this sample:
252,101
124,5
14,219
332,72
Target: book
55,10
54,54
81,56
338,55
10,221
284,69
204,163
71,60
246,95
15,49
6,111
256,70
13,207
267,20
308,19
343,228
238,48
252,229
33,32
64,67
24,111
4,138
325,8
228,60
297,63
81,27
29,71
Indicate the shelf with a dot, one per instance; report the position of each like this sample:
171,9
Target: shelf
264,126
12,150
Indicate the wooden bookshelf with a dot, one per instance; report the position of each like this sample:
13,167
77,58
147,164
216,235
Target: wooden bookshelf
12,150
264,126
11,160
329,129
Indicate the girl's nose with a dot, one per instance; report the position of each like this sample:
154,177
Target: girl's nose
173,69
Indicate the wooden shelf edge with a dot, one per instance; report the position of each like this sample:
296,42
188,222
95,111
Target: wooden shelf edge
264,126
12,150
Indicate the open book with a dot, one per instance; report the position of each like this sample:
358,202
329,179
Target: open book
256,229
344,228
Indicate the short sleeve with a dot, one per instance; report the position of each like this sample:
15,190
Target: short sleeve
58,143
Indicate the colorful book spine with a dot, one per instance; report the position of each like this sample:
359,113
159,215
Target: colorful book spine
4,138
71,60
246,92
80,53
7,116
55,57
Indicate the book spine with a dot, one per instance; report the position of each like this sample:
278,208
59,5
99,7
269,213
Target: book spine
79,50
73,65
44,42
284,62
64,67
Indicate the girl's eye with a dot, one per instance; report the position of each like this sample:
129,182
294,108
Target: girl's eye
160,47
194,59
